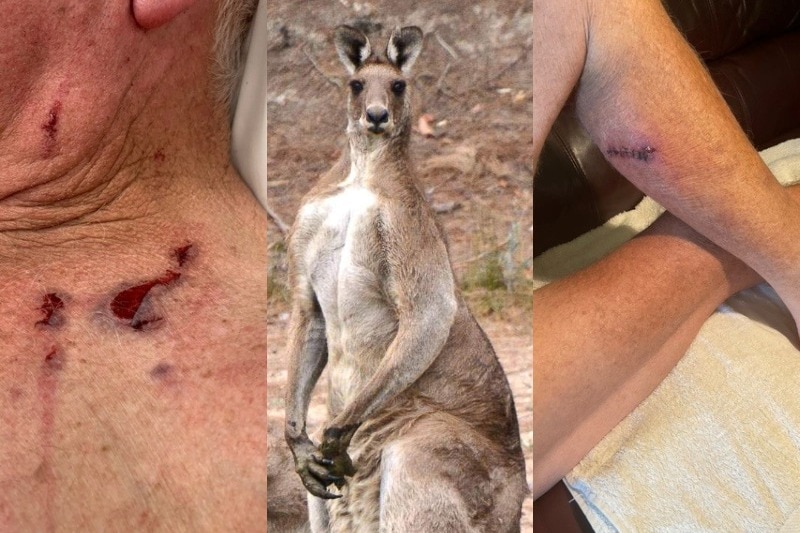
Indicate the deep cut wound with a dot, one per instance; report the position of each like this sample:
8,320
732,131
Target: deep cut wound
51,307
127,304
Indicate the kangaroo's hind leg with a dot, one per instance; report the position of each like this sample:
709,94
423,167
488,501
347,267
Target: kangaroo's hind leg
318,518
443,476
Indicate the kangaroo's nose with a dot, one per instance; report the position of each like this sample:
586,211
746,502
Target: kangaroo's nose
377,115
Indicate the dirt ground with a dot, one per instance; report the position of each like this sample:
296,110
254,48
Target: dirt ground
472,149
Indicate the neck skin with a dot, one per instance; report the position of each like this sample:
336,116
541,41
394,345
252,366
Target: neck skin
109,139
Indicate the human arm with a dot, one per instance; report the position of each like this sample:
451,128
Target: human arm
605,337
651,107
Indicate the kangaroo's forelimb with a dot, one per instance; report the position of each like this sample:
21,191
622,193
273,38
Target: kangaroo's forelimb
308,355
426,304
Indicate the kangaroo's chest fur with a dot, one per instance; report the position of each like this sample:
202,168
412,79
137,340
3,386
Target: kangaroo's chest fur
343,263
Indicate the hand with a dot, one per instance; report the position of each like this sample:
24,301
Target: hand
316,471
334,448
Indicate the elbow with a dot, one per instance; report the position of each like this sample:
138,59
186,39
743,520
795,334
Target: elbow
292,433
448,309
439,316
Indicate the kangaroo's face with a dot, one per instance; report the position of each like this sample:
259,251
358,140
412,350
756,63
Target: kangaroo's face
379,99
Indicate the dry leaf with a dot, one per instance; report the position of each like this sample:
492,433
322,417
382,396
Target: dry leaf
424,125
446,207
461,158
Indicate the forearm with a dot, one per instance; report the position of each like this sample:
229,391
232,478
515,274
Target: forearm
607,336
416,346
307,358
652,108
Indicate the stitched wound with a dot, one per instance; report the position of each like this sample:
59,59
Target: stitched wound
639,154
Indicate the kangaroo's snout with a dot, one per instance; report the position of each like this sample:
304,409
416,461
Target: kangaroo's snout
377,116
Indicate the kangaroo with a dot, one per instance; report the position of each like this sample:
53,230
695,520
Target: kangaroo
423,434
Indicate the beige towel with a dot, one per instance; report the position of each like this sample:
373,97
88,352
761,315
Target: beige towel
717,446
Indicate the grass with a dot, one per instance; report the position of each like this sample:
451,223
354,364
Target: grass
277,287
498,280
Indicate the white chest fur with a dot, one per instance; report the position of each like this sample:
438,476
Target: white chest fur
330,254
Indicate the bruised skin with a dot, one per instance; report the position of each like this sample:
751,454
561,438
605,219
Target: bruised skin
72,373
124,306
115,157
51,309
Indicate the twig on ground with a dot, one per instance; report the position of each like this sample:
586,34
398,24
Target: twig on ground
333,81
445,207
284,229
440,83
505,69
447,47
484,254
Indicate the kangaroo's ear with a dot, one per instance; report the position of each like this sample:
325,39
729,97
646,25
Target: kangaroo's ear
352,46
404,46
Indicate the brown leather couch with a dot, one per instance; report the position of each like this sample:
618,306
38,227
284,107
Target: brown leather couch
752,49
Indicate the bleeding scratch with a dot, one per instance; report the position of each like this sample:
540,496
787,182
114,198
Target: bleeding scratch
640,154
126,304
51,308
130,304
51,368
182,254
50,128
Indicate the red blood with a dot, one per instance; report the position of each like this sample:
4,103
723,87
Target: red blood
51,304
51,126
159,156
48,396
126,304
182,253
53,361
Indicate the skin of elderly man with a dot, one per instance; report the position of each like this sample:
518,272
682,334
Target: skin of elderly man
133,341
652,108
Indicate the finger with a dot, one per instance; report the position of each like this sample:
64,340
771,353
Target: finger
318,490
312,483
322,474
322,460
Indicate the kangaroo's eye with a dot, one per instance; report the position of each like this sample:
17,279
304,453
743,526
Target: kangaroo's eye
356,86
398,87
